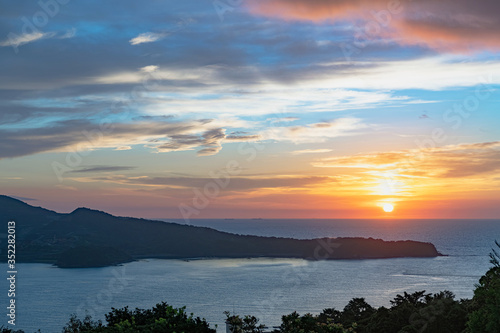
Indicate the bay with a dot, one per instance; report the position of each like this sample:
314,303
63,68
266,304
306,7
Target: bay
266,288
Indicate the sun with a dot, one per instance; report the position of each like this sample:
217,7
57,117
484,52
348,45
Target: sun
388,208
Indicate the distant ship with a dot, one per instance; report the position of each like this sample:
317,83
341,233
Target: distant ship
257,218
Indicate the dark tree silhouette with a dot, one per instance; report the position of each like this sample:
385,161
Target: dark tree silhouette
485,317
247,324
162,318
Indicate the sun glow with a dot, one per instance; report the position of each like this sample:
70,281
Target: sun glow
388,208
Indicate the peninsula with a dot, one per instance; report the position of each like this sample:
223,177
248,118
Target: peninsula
91,238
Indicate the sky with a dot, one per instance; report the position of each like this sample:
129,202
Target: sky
244,109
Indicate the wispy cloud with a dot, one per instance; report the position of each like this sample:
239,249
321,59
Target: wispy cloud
235,184
66,135
68,34
123,148
210,141
237,138
453,161
160,134
316,132
147,37
103,168
282,120
18,40
418,173
149,69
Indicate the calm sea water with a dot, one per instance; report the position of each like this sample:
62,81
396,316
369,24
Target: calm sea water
267,288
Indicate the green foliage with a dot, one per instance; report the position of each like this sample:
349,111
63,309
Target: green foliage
247,324
356,311
162,318
76,325
485,317
495,256
330,315
323,323
419,312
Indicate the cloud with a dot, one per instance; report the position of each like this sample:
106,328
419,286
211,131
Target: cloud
431,172
312,10
316,132
68,34
322,87
123,148
233,184
211,140
430,73
85,135
238,138
288,119
150,37
282,120
161,134
459,25
103,168
453,161
147,37
311,151
15,40
149,69
18,40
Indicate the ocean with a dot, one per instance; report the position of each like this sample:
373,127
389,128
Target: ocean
266,288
